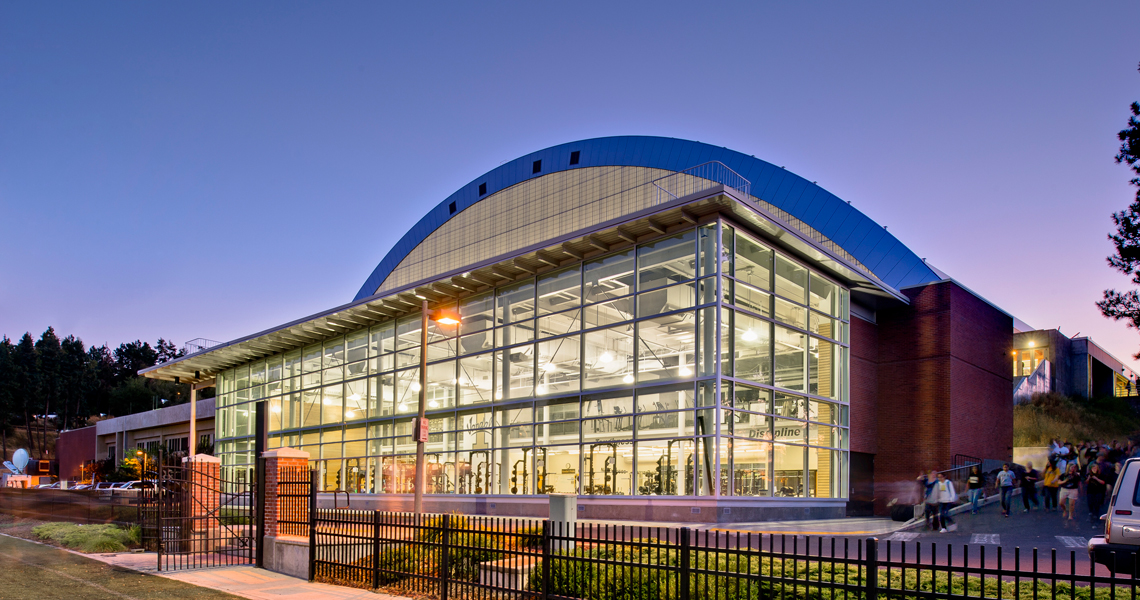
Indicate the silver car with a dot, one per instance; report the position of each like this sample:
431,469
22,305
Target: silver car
1117,548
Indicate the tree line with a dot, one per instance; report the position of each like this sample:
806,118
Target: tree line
59,384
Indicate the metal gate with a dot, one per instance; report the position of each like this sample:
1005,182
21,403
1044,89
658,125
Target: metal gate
196,518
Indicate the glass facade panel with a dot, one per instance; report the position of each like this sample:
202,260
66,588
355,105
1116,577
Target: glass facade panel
600,378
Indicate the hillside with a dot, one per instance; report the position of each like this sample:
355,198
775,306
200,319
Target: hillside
1048,416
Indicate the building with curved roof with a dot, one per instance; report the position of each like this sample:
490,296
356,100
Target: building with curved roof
665,328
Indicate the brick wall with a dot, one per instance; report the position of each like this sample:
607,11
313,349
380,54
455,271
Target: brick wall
278,462
943,385
864,385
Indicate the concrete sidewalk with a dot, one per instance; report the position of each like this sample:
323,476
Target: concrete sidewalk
838,527
244,580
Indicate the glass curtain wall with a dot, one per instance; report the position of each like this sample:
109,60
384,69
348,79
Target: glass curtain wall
701,362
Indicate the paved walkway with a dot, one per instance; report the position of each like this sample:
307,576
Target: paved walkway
243,581
852,526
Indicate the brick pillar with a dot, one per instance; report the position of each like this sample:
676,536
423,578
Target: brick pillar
205,491
287,464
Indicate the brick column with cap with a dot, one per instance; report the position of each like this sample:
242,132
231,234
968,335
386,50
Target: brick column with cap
205,491
289,464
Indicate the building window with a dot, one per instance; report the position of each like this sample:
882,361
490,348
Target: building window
597,378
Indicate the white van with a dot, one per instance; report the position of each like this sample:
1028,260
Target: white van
1117,548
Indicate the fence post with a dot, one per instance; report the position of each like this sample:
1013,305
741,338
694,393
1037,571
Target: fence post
444,566
872,580
375,549
546,552
314,480
686,567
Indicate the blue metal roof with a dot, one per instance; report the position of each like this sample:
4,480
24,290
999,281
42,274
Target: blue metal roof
868,242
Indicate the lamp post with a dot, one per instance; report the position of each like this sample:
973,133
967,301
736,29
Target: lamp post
142,463
421,424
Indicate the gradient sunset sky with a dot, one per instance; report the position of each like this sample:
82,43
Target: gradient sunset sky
210,170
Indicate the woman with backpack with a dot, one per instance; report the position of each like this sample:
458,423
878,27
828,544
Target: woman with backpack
947,498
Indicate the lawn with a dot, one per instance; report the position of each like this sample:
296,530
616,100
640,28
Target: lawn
37,572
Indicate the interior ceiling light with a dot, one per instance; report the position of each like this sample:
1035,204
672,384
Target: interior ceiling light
349,414
549,367
275,409
606,357
327,402
402,406
684,371
433,404
627,379
540,389
415,387
749,336
354,397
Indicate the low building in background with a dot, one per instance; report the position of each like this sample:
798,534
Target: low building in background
1045,360
114,439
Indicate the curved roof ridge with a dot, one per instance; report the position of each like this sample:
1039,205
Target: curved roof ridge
866,241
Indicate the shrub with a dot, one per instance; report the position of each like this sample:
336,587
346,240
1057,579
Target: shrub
89,538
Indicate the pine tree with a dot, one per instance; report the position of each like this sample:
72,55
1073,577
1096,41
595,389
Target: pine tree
1126,305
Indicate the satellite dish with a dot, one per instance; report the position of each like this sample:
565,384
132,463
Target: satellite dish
20,458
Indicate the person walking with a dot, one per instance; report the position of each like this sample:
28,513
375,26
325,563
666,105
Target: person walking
1070,484
1005,482
947,498
1029,487
1095,488
1050,484
930,500
976,484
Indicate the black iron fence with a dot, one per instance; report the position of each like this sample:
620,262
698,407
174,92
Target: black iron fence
78,506
296,489
454,556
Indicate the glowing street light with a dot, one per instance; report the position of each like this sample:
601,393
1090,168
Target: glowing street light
443,317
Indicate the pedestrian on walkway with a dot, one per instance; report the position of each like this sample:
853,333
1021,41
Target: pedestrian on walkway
1095,488
1070,486
976,484
1029,487
1051,484
930,500
1005,482
947,498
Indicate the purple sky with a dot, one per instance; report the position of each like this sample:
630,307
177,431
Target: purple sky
211,170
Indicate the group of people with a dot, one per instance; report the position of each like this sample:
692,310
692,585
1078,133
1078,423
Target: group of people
1091,468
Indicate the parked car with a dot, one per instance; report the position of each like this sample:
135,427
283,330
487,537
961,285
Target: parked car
80,486
105,485
1117,548
137,485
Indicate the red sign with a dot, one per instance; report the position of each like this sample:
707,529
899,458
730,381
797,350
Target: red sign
422,431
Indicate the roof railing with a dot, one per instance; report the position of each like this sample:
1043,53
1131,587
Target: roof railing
698,179
198,345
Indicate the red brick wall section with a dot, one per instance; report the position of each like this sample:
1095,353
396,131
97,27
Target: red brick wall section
275,462
982,421
205,490
864,385
943,385
73,448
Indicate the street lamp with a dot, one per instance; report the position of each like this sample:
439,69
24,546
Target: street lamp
421,426
142,463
